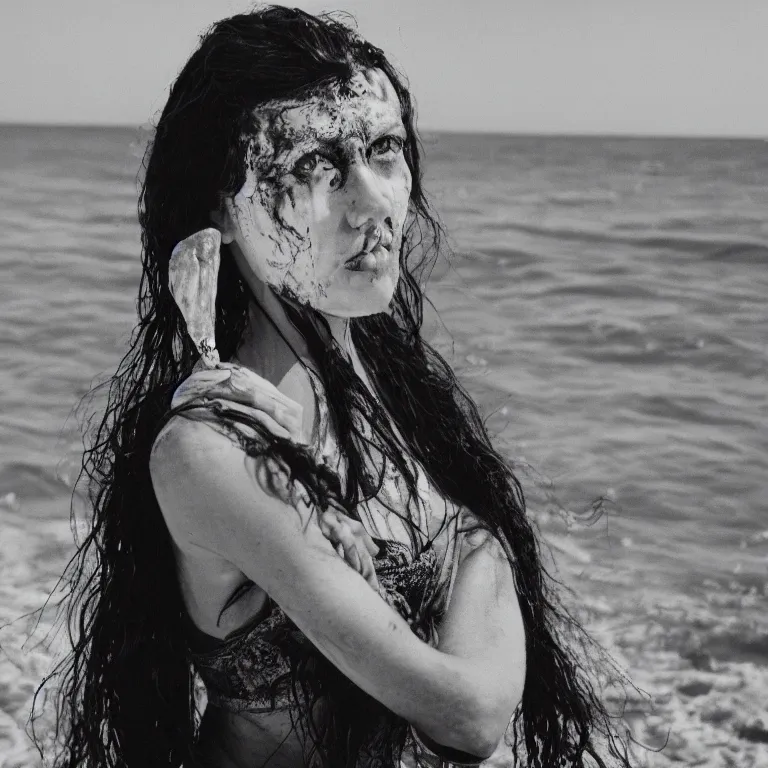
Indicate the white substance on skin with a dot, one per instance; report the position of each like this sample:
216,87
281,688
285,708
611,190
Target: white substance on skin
296,229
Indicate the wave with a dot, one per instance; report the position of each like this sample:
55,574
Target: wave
515,256
710,247
693,410
742,253
742,644
688,222
620,290
585,197
30,481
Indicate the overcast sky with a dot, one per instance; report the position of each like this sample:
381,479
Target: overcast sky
659,67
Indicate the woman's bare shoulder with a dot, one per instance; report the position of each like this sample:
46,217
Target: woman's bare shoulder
181,442
198,435
179,429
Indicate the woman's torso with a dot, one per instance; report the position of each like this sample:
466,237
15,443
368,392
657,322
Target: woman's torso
246,739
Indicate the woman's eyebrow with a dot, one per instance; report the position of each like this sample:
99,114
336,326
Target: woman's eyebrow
321,144
394,127
371,129
301,147
335,144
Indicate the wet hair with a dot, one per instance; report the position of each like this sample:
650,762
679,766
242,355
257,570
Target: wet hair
128,695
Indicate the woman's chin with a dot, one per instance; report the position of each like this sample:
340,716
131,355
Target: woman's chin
371,295
370,308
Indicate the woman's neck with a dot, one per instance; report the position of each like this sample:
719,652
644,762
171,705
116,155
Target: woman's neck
271,344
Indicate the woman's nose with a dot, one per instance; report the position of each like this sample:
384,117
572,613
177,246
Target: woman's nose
367,196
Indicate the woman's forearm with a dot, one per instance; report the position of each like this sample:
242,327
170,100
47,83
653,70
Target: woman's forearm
453,713
483,627
441,695
463,693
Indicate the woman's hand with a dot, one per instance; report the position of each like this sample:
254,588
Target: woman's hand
352,543
246,391
281,416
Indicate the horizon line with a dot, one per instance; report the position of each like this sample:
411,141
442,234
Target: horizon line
428,130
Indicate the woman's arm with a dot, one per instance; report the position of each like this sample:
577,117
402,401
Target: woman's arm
210,495
483,624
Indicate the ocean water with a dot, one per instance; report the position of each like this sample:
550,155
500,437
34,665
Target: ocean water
606,304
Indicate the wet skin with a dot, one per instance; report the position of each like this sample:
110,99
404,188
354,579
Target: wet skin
324,174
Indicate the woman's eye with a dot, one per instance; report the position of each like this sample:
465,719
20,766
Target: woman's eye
306,164
309,163
387,146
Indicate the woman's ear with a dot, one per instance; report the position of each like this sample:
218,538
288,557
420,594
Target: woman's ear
223,221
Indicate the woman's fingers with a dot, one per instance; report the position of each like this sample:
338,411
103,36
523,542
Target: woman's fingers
249,387
272,426
362,535
367,571
266,421
280,428
197,385
238,384
246,381
349,540
289,415
371,545
277,428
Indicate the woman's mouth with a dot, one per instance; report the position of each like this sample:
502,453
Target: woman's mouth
376,260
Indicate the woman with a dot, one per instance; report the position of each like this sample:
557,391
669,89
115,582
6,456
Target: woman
319,526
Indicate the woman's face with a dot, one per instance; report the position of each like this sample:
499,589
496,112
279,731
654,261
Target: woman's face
326,179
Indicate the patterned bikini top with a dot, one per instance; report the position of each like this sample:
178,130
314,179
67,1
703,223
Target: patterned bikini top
248,669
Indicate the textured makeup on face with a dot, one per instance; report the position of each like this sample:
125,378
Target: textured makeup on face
327,178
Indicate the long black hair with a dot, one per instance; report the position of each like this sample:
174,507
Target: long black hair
128,693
